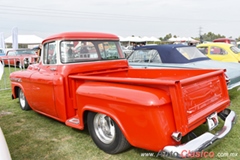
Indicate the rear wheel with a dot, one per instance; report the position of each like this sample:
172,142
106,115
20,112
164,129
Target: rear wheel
106,134
23,101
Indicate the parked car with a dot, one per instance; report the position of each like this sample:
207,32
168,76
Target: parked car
2,53
181,56
5,154
20,57
121,106
226,40
221,51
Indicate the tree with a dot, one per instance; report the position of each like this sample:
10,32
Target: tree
211,36
204,37
238,39
168,36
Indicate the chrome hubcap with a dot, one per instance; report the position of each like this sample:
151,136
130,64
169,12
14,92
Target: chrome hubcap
104,128
22,98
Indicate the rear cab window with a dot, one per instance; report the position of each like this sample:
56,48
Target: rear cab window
79,51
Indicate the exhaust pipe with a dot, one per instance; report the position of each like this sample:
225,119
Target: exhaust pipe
177,136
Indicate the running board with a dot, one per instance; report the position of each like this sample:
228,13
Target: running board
74,122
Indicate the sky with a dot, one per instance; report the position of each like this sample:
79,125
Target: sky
183,18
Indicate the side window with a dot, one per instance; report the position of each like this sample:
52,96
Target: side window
204,50
143,56
157,58
217,51
138,56
11,53
152,56
50,53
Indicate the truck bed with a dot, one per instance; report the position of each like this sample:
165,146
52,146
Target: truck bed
195,93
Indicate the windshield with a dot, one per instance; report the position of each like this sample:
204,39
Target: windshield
78,51
25,52
190,52
235,49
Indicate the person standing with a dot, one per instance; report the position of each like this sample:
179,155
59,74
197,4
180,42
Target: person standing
39,52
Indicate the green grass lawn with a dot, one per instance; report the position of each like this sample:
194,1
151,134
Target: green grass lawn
31,136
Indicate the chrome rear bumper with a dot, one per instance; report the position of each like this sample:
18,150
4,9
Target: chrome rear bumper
197,146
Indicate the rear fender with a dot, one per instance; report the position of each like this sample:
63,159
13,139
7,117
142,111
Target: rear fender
139,111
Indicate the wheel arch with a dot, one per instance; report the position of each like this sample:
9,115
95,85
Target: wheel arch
15,88
98,109
15,91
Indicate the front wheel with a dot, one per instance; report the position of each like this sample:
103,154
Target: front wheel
23,101
18,64
106,134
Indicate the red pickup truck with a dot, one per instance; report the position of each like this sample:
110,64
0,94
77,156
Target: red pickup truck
83,79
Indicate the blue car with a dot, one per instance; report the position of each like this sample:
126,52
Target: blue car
181,56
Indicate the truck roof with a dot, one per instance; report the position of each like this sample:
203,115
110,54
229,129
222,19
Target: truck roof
82,35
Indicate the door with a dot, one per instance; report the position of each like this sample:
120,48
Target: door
42,83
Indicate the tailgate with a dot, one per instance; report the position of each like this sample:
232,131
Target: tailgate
195,98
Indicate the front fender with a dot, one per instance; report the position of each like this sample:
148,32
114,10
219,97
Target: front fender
15,86
144,114
17,79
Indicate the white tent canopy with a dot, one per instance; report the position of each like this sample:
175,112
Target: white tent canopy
182,39
139,39
26,39
122,39
154,39
172,39
134,39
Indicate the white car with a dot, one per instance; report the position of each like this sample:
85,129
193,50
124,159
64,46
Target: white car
4,152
